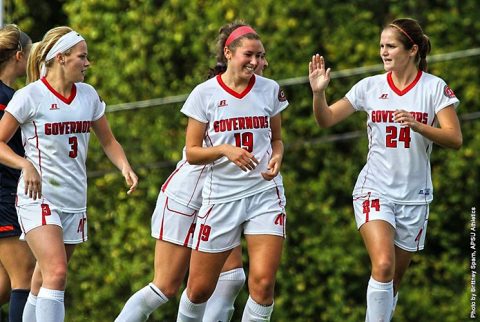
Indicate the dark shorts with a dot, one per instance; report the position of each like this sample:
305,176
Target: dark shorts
9,226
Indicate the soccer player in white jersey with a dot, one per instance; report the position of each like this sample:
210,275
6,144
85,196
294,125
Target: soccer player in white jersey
55,114
408,110
173,224
234,127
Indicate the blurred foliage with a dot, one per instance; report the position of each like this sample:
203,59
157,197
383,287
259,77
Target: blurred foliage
148,49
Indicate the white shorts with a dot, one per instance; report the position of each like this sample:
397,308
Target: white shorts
219,227
173,222
409,221
36,214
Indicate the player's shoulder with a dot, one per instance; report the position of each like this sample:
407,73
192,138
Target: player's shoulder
85,88
265,82
34,90
431,79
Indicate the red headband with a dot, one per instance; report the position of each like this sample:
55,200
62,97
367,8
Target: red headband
239,32
403,32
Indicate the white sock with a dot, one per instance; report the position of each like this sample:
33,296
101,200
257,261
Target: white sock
29,314
395,300
255,312
141,304
220,304
379,301
188,311
50,307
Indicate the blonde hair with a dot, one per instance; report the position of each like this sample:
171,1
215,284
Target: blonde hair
39,52
12,40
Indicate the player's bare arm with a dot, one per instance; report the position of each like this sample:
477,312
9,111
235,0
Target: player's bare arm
448,135
114,152
33,182
275,161
197,154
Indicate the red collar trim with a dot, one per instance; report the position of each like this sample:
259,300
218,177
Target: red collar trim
2,107
66,100
406,89
251,82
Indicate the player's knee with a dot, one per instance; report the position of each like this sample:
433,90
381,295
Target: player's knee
200,293
170,290
55,276
261,289
383,270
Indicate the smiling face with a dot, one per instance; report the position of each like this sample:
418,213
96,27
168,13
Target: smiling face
76,63
244,61
393,53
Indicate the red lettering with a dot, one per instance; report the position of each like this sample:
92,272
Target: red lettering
241,123
48,129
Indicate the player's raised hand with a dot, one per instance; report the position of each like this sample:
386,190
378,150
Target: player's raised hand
33,182
240,157
317,74
131,179
273,168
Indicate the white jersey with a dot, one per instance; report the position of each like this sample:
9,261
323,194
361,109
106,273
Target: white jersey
185,183
56,131
398,161
239,119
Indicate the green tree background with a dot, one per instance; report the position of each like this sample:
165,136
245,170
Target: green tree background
141,50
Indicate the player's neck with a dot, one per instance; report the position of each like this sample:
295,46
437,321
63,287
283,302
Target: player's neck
60,85
8,77
403,78
234,82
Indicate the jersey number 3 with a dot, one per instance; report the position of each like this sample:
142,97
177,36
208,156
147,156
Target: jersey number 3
394,136
73,141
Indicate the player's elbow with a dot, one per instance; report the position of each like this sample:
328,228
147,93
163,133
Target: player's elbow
322,122
457,143
191,156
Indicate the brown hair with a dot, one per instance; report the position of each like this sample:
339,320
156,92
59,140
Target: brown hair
40,50
223,33
12,40
410,33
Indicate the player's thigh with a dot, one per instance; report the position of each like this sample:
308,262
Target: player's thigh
18,261
234,260
171,264
264,253
204,271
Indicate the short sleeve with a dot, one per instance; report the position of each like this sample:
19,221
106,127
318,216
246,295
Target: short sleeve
356,95
21,107
195,106
99,107
280,100
444,96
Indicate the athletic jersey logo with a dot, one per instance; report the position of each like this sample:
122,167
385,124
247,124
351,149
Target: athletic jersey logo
54,106
383,96
448,92
281,96
222,103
